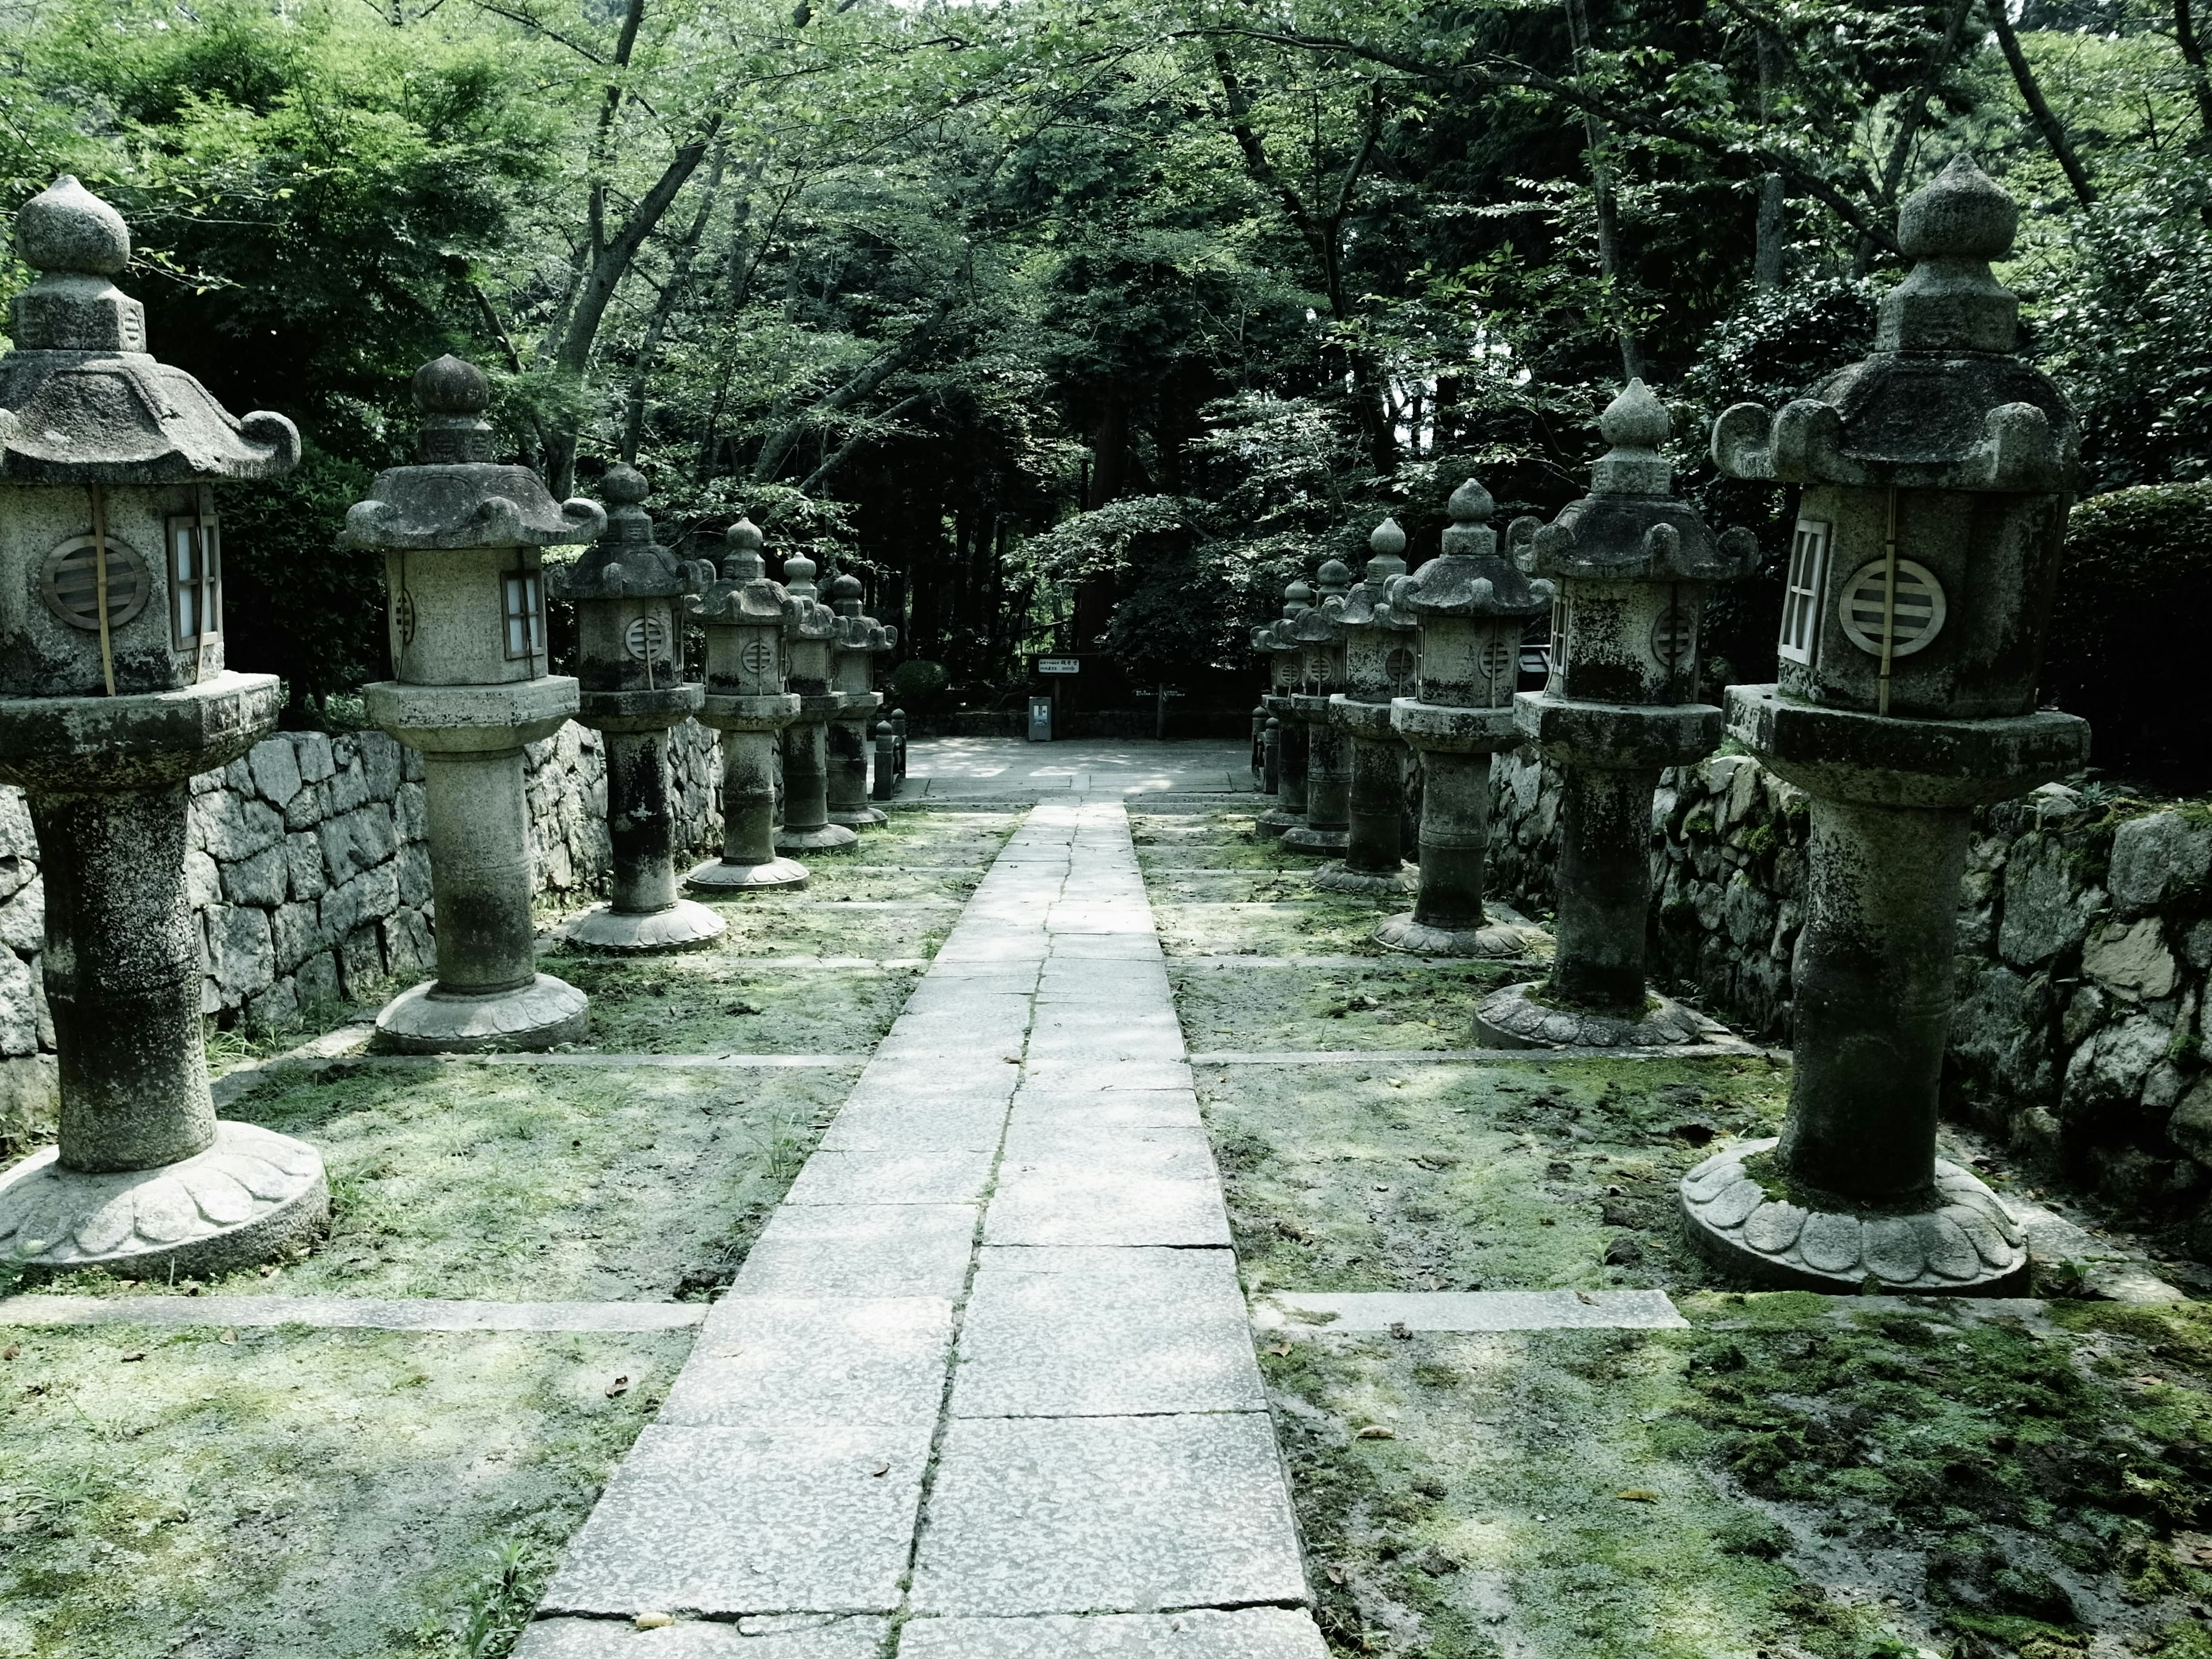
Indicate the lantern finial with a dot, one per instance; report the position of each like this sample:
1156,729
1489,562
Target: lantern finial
1635,424
1952,228
66,227
452,394
1386,540
742,563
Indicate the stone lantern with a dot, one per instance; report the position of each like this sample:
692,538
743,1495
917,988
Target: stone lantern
629,660
1320,636
809,627
462,538
1277,643
112,696
859,640
1378,666
1921,572
1632,564
1471,605
743,614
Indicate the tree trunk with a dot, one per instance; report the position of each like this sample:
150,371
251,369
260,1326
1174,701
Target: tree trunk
2045,119
1595,138
1940,53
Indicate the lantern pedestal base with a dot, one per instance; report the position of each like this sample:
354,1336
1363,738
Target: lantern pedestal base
1335,877
1507,936
859,817
248,1199
823,838
1959,1241
429,1021
1277,822
1514,1018
683,926
722,876
1318,843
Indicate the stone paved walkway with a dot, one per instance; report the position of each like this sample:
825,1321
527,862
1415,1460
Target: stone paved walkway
985,1387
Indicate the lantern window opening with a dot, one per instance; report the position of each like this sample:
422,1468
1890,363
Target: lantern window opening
75,574
194,549
1537,646
1560,653
1804,590
525,615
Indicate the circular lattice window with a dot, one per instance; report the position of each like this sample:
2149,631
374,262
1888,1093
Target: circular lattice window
1898,622
1673,638
1498,658
646,638
402,613
69,582
758,655
1398,667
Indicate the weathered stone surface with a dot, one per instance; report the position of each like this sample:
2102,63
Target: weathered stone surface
1245,1634
23,919
700,1638
2130,958
2046,912
276,770
2156,855
264,879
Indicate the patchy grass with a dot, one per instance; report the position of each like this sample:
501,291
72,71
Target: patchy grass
714,1002
1791,1476
539,1184
1398,1002
323,1495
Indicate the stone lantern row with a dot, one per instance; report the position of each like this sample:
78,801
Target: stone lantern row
113,694
1934,483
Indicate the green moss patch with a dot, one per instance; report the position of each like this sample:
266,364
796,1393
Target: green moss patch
323,1495
1512,1175
714,1002
1400,1002
530,1184
800,925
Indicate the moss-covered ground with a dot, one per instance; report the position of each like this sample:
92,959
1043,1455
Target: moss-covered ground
232,1494
1791,1476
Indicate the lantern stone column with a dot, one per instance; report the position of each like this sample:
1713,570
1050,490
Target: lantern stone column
1632,565
809,626
859,641
1923,568
1320,636
461,536
112,696
626,590
1286,664
1378,665
1471,605
743,614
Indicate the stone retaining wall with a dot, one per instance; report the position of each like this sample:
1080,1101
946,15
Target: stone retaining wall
310,880
2085,932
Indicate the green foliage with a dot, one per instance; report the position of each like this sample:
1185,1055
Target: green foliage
2124,648
918,683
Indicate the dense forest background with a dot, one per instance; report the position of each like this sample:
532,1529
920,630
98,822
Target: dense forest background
1084,324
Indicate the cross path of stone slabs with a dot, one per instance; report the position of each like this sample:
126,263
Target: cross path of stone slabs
984,1389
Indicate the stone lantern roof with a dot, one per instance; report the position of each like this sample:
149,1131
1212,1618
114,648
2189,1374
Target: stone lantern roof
805,618
81,400
1630,527
1941,403
626,562
744,593
1367,605
1322,624
854,631
459,496
1471,577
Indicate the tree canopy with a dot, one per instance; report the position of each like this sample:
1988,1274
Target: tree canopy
1082,324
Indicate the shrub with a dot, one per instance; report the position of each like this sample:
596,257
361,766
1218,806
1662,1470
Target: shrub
917,683
2133,590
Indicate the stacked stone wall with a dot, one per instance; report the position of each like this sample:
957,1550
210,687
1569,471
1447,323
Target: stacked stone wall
310,880
2084,933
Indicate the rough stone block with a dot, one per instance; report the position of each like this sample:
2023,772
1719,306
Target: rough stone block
2156,855
1107,1514
242,956
276,769
2130,958
234,826
361,960
30,1097
295,934
413,865
277,1009
16,873
409,952
19,1022
347,789
316,980
358,840
369,896
303,860
264,879
1104,1332
2045,912
23,919
311,751
379,758
725,1521
1244,1633
18,840
411,813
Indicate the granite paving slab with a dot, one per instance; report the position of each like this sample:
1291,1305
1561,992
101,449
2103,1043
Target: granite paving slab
1312,1311
351,1312
696,1639
1246,1633
1097,1333
861,1250
723,1521
895,1177
774,1362
1106,1514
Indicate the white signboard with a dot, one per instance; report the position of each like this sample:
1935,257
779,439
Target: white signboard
1058,666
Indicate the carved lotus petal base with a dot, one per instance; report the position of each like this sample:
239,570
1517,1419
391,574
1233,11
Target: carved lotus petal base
1278,822
429,1021
721,876
1967,1245
1513,1018
248,1199
1506,937
683,926
1333,877
829,838
1320,843
859,817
